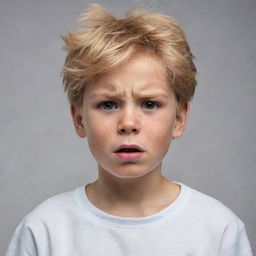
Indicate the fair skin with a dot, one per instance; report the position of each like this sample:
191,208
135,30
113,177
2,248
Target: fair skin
131,188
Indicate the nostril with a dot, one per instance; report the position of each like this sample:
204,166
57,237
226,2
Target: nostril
123,130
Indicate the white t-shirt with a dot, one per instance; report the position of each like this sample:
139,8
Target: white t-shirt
69,224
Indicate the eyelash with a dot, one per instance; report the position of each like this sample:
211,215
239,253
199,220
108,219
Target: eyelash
112,102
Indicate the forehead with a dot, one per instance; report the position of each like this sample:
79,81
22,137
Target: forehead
141,74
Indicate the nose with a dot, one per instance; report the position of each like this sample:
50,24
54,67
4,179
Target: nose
128,123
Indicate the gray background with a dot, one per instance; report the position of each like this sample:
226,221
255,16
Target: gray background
40,152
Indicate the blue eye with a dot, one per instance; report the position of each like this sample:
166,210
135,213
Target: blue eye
106,105
110,105
151,104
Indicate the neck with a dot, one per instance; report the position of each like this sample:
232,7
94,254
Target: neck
150,190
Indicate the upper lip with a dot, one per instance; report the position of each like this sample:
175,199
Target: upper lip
129,146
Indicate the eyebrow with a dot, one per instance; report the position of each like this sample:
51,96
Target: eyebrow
151,94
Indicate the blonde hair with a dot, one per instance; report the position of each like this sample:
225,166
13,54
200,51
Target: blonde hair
103,42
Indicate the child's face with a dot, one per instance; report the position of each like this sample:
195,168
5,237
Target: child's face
134,104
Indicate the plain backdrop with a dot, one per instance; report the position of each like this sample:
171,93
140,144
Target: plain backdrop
42,156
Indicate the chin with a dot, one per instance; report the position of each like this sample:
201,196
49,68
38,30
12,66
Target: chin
129,174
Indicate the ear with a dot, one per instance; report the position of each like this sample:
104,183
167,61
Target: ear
180,122
77,120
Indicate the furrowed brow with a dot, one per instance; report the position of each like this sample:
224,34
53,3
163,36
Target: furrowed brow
138,95
107,95
152,94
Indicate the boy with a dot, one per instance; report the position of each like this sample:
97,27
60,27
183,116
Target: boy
129,82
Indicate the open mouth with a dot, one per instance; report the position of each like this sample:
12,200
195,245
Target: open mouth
128,150
129,153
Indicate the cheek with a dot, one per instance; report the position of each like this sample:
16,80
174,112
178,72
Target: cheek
98,133
160,129
97,125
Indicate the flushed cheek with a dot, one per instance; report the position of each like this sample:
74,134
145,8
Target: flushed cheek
159,137
98,135
160,128
96,128
99,141
162,143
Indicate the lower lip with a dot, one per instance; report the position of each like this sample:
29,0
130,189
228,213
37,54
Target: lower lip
129,156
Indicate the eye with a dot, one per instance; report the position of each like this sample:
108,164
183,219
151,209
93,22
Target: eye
151,104
106,105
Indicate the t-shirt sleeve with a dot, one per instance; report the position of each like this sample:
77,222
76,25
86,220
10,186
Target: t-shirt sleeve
23,242
240,245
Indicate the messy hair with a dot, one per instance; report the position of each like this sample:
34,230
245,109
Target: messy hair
103,42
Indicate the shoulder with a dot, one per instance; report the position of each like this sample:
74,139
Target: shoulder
57,207
212,211
45,220
214,220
